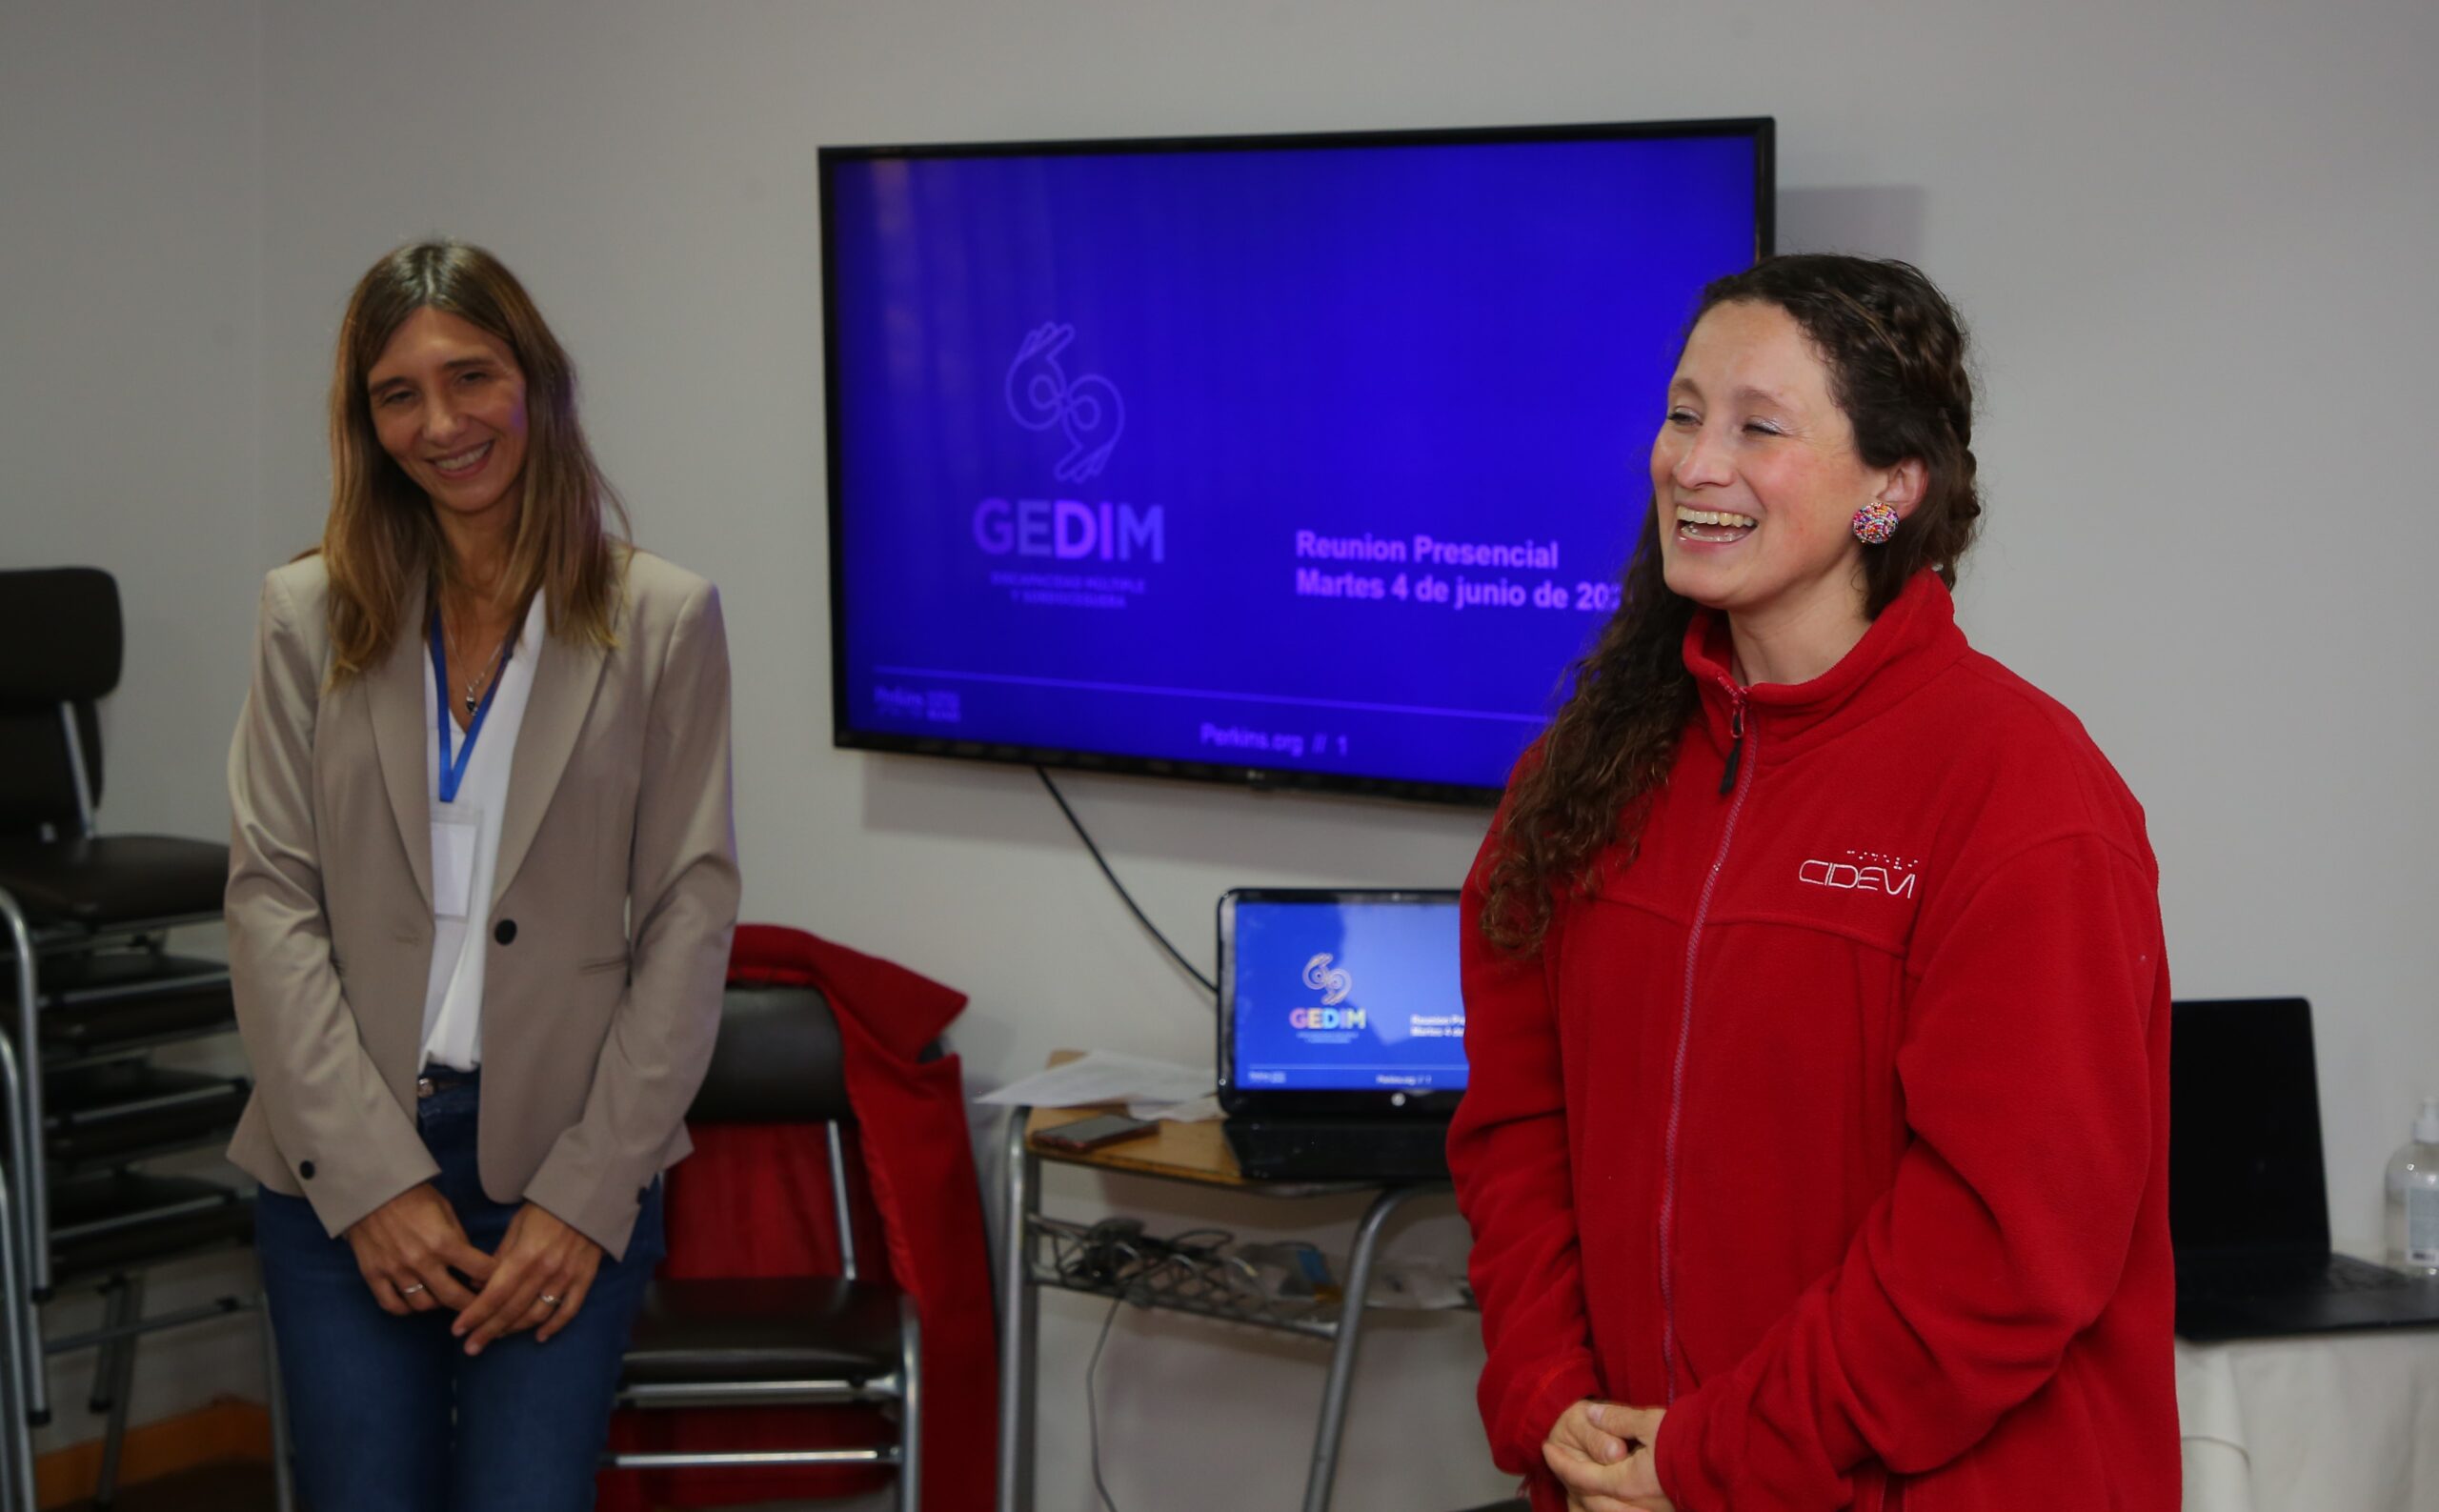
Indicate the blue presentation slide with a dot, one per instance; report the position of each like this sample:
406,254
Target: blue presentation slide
1348,996
1324,460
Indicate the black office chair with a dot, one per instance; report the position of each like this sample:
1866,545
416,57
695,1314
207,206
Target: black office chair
82,923
61,643
814,1340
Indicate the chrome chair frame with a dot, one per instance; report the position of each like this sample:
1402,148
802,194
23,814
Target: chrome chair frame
903,1387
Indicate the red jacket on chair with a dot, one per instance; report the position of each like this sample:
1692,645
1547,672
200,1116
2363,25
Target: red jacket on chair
753,1201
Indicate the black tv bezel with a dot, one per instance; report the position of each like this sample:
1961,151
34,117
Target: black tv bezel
1763,130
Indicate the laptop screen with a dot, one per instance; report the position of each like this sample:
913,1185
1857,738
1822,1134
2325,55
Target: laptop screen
2244,1173
1343,992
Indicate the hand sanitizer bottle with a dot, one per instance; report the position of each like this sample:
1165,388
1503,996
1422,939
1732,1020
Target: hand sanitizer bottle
2413,1198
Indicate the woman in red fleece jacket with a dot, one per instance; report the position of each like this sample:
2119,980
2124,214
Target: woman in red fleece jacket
1816,1149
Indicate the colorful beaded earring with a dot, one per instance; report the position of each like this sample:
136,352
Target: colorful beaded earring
1874,522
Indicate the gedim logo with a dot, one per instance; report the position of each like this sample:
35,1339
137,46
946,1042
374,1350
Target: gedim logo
1088,411
1069,530
1326,1019
1333,983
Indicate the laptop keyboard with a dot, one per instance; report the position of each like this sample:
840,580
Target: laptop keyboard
2342,1273
1340,1149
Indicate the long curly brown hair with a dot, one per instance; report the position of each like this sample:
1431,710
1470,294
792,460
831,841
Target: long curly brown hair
1896,353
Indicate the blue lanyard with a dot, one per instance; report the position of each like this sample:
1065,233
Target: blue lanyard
452,772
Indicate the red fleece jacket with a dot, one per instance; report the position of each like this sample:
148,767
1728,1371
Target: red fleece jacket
1836,1119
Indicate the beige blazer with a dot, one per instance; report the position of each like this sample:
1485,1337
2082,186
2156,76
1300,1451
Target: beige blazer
611,912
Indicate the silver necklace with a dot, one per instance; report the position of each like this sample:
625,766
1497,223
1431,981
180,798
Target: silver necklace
482,674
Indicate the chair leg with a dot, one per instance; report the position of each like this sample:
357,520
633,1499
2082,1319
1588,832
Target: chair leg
34,1220
37,1359
24,1326
16,1451
283,1469
16,1433
122,1390
909,1404
106,1356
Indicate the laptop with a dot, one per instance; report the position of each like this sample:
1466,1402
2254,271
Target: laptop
1341,1033
2247,1199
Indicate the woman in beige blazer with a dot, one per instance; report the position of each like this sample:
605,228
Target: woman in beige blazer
481,895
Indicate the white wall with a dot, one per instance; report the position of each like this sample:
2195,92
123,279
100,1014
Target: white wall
130,328
2192,239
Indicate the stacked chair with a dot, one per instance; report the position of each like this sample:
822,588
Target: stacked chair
84,919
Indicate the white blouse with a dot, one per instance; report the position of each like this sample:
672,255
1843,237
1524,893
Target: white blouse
465,845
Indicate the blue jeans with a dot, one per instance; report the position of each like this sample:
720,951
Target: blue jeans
388,1413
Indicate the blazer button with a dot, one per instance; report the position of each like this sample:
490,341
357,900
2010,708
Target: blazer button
504,931
306,1170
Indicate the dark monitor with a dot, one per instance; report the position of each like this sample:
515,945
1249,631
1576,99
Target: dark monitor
2245,1172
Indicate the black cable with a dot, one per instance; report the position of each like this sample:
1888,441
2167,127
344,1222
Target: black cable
1091,1406
1183,964
1200,1243
1098,1264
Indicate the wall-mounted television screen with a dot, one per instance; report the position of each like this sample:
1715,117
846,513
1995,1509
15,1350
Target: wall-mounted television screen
1308,461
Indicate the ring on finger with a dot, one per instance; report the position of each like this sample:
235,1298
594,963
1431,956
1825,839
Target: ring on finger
548,1299
410,1291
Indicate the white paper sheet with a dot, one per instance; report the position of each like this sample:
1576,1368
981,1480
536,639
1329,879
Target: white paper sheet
1201,1110
1105,1076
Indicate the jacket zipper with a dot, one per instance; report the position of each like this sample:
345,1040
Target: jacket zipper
1735,749
1736,778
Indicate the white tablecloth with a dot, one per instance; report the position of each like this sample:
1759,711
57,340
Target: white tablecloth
2333,1422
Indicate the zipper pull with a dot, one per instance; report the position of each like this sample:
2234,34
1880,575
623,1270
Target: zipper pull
1735,747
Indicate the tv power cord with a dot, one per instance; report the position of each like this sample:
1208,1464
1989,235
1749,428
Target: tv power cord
1154,930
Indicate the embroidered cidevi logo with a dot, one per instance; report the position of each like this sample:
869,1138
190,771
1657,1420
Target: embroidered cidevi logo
1864,872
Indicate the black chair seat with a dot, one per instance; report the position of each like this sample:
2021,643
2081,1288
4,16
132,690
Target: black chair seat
132,1023
797,1329
99,882
123,1111
100,1225
86,979
101,1001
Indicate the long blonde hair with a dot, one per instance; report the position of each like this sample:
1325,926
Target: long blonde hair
381,543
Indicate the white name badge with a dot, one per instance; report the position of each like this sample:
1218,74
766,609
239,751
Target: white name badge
455,827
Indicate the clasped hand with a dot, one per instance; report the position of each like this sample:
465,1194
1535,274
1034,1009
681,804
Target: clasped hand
1606,1456
413,1252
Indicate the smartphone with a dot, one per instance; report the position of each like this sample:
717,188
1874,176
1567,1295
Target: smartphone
1091,1133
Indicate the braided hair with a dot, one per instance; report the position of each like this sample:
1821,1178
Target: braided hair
1897,358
